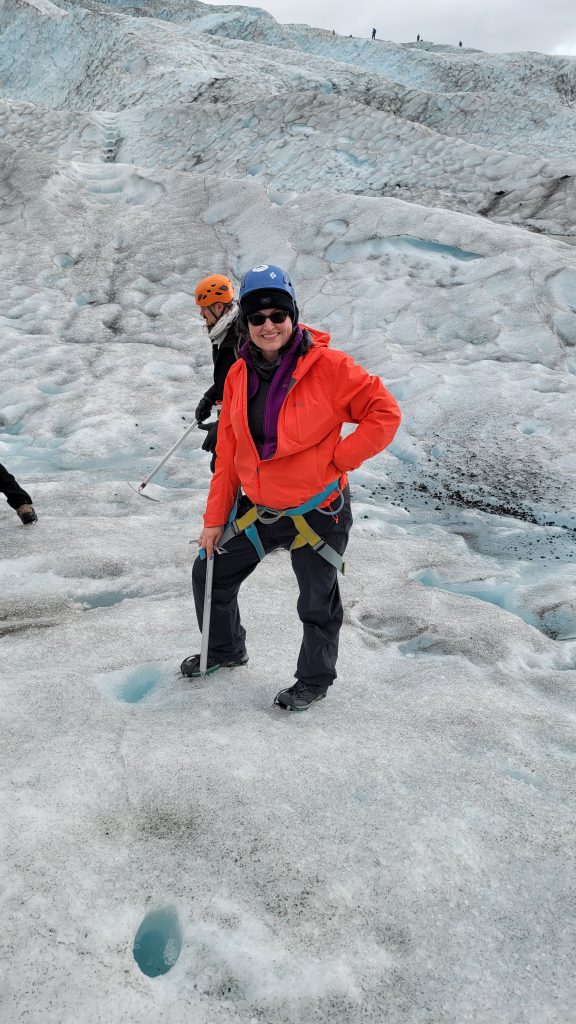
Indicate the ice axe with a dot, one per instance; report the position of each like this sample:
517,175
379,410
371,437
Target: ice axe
206,616
168,455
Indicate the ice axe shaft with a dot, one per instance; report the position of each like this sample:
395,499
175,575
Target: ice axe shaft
168,456
206,615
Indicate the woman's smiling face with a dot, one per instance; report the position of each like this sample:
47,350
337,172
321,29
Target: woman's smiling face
270,337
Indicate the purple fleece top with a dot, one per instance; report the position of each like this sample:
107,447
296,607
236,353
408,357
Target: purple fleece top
276,393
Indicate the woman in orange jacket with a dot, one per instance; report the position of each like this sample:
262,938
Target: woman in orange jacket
279,441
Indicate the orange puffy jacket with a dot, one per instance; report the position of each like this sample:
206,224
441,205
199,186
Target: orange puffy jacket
328,389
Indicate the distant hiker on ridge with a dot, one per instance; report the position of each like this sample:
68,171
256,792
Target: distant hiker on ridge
460,43
418,38
215,296
286,400
373,33
17,498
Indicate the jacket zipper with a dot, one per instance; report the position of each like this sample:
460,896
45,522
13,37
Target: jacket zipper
282,412
294,382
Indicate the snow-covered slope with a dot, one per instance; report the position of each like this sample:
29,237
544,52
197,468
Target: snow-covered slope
291,145
404,852
465,131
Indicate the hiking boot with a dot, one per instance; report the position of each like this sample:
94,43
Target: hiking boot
299,697
27,514
191,666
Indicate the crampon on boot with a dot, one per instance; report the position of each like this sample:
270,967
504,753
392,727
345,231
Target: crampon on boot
191,666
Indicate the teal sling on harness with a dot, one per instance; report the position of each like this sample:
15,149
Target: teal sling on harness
304,532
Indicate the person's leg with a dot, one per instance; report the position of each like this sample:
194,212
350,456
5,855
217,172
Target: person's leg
227,634
319,605
16,496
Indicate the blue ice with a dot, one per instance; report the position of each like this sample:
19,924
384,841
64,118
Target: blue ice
342,252
402,241
522,776
484,590
102,600
138,684
158,942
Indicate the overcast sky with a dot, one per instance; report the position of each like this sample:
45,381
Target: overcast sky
494,25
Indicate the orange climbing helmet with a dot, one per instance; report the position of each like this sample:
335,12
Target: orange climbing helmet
214,288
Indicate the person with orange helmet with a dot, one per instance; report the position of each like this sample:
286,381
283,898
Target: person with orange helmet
219,310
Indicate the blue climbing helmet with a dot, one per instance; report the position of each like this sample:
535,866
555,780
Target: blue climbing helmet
266,287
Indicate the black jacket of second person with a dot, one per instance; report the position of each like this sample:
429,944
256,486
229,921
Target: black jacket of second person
223,355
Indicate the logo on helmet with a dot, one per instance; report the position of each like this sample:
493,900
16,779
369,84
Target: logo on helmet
259,270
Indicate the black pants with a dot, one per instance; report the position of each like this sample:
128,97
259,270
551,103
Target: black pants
14,493
319,605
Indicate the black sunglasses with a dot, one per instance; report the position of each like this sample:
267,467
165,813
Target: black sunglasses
278,317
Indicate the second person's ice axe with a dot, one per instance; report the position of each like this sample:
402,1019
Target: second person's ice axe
162,463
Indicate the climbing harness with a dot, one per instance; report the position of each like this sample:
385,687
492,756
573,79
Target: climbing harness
304,532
